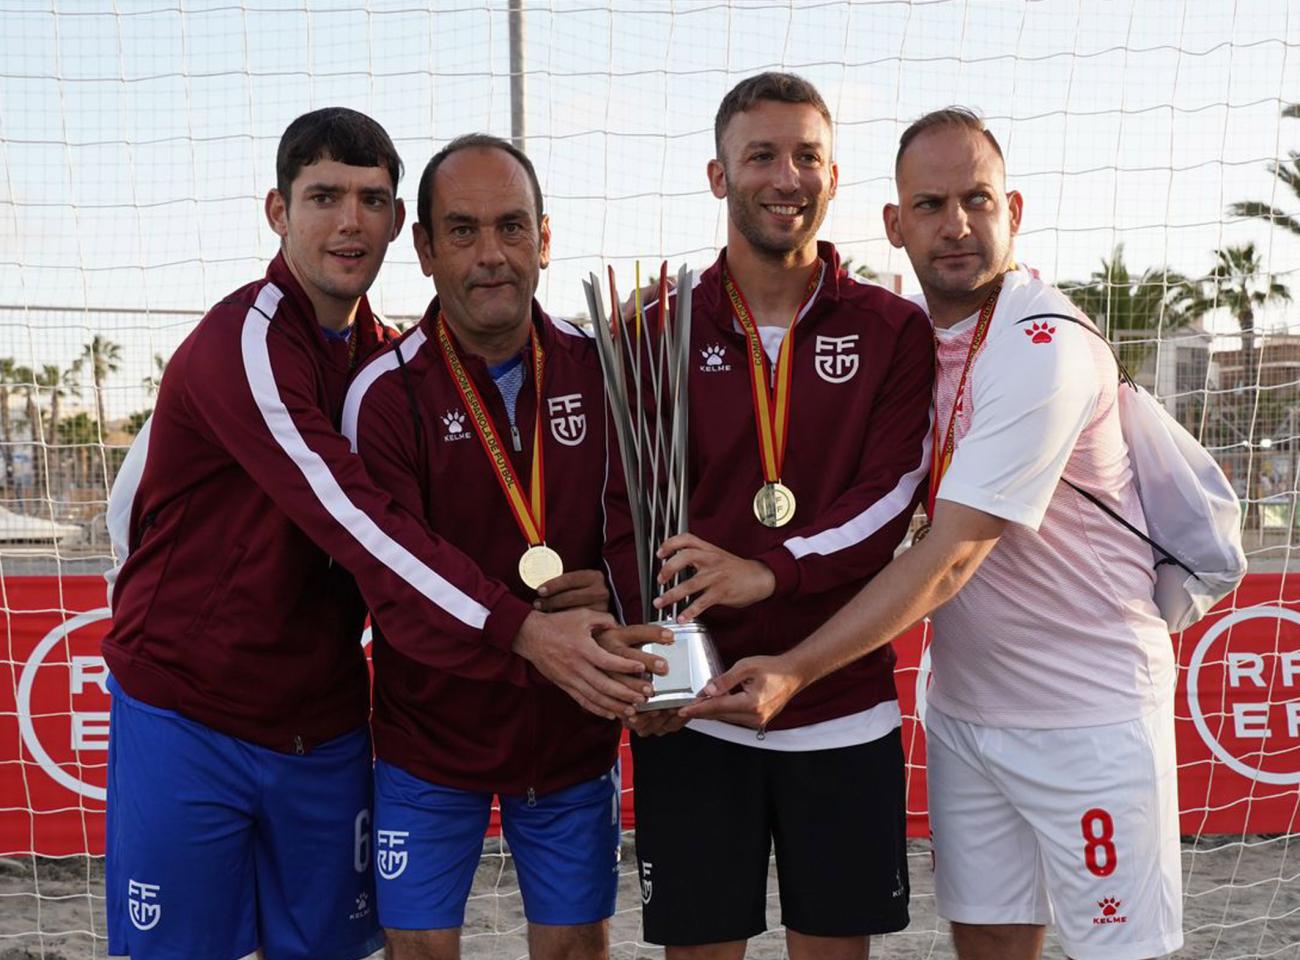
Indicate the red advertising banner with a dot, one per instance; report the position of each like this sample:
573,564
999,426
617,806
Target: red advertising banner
1237,708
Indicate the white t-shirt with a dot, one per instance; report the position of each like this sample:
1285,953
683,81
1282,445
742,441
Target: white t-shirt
1057,628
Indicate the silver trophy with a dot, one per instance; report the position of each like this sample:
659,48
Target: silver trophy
646,371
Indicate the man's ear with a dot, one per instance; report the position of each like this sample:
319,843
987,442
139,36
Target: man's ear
717,179
890,215
1016,207
423,244
277,212
544,252
399,218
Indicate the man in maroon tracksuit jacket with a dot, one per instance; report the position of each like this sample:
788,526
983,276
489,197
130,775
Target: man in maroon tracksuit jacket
488,419
239,760
809,416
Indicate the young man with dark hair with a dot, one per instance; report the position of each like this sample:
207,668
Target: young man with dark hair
239,783
1049,797
810,399
488,420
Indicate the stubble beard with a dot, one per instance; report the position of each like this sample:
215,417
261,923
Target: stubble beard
963,291
746,213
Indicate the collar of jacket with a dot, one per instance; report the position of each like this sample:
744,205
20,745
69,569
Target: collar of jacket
367,328
478,369
709,296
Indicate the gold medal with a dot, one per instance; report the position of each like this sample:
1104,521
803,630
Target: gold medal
539,562
538,565
921,533
774,504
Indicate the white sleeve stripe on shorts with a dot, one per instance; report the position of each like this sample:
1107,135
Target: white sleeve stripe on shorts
323,483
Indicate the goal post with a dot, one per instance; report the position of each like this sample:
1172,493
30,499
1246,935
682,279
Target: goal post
1155,145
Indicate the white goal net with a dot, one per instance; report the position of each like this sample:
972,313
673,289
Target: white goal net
1155,143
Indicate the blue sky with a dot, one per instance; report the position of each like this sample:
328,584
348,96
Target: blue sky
138,138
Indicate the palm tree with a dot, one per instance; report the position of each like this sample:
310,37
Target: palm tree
862,270
25,381
59,382
154,380
1134,311
80,433
8,379
1239,284
104,357
1289,174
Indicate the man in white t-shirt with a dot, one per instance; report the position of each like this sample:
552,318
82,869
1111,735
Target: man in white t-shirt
1050,726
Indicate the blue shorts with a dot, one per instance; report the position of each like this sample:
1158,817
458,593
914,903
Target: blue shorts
217,846
429,839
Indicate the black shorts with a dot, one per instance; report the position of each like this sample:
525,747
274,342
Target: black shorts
707,811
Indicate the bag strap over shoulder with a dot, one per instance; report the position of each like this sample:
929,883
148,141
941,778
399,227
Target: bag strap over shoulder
1165,555
1125,377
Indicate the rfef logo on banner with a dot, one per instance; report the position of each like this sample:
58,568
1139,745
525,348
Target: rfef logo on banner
66,669
1243,689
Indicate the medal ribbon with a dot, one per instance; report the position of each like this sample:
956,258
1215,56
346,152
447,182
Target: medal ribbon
530,513
941,457
772,418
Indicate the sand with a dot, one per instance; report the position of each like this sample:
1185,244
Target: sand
1242,900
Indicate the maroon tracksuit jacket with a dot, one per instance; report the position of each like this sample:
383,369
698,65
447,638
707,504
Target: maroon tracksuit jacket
420,444
233,607
856,460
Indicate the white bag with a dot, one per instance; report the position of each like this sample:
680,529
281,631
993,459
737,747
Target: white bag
1192,513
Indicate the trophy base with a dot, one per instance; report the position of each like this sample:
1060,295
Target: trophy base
692,662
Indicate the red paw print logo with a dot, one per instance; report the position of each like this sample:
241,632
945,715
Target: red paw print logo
1040,332
1109,907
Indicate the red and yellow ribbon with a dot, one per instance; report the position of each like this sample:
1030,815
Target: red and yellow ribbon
941,457
771,415
529,513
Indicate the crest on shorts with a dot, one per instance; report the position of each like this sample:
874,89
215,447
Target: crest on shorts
1109,907
836,358
647,888
361,907
144,913
568,423
389,857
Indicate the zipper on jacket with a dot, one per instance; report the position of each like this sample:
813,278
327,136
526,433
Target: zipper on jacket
298,747
532,797
514,437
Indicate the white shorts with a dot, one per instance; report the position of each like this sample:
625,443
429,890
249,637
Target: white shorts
1076,825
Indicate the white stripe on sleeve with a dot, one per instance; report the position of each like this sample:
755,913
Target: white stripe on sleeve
856,529
121,501
368,375
386,550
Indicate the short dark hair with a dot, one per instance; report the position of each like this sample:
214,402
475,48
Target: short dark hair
424,198
781,87
334,133
963,118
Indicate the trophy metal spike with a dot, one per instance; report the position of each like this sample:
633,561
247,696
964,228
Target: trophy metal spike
650,407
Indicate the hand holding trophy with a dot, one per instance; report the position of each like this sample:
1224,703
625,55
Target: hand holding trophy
645,367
